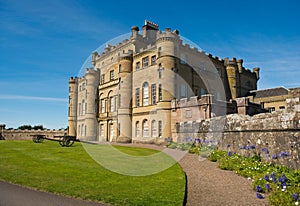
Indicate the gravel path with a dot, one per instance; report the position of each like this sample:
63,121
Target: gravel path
208,185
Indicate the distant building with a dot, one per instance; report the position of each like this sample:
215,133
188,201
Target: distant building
135,88
274,99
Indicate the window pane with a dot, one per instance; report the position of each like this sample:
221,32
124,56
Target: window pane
145,62
137,97
153,90
145,94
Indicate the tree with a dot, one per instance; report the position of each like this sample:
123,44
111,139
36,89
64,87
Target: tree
29,127
23,127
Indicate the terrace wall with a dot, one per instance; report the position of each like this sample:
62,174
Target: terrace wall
278,132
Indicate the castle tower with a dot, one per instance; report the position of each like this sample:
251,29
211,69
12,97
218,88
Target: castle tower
124,97
166,61
92,79
73,94
232,74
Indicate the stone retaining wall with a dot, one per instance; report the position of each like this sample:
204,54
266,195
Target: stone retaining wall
278,132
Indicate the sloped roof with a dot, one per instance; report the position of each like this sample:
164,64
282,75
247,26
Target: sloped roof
279,91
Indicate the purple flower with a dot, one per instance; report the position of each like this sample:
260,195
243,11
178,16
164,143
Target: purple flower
282,179
259,196
258,188
272,175
266,177
243,147
265,150
229,153
284,154
252,147
268,187
274,156
296,197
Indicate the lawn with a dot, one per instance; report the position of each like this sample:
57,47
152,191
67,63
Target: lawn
70,171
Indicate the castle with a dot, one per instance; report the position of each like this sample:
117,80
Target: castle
141,88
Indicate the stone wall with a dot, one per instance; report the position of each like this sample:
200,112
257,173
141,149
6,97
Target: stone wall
275,136
16,134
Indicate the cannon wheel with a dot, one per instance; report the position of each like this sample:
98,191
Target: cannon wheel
38,139
66,141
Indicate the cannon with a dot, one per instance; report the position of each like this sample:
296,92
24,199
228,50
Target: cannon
64,141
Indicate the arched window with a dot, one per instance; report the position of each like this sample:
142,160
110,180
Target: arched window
160,128
111,100
137,129
145,94
145,128
112,104
153,128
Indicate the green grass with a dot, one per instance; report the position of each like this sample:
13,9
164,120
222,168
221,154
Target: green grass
72,172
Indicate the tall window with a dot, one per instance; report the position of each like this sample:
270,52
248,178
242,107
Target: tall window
82,130
137,97
145,62
120,67
138,66
111,131
153,128
159,52
79,130
112,104
153,60
183,91
79,109
160,128
160,71
153,91
102,79
83,107
102,130
102,105
112,75
119,101
145,94
159,92
145,128
137,129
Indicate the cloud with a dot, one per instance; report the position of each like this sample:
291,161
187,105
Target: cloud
32,98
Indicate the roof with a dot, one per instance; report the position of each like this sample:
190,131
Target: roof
279,91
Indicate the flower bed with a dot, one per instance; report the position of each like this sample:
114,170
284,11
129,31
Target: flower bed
278,183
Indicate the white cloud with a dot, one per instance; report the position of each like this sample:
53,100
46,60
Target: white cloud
33,98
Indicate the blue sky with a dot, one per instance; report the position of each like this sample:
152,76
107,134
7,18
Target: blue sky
43,43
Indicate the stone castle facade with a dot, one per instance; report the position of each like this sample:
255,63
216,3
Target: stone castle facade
141,89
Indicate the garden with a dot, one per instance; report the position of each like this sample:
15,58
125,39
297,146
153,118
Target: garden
280,184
